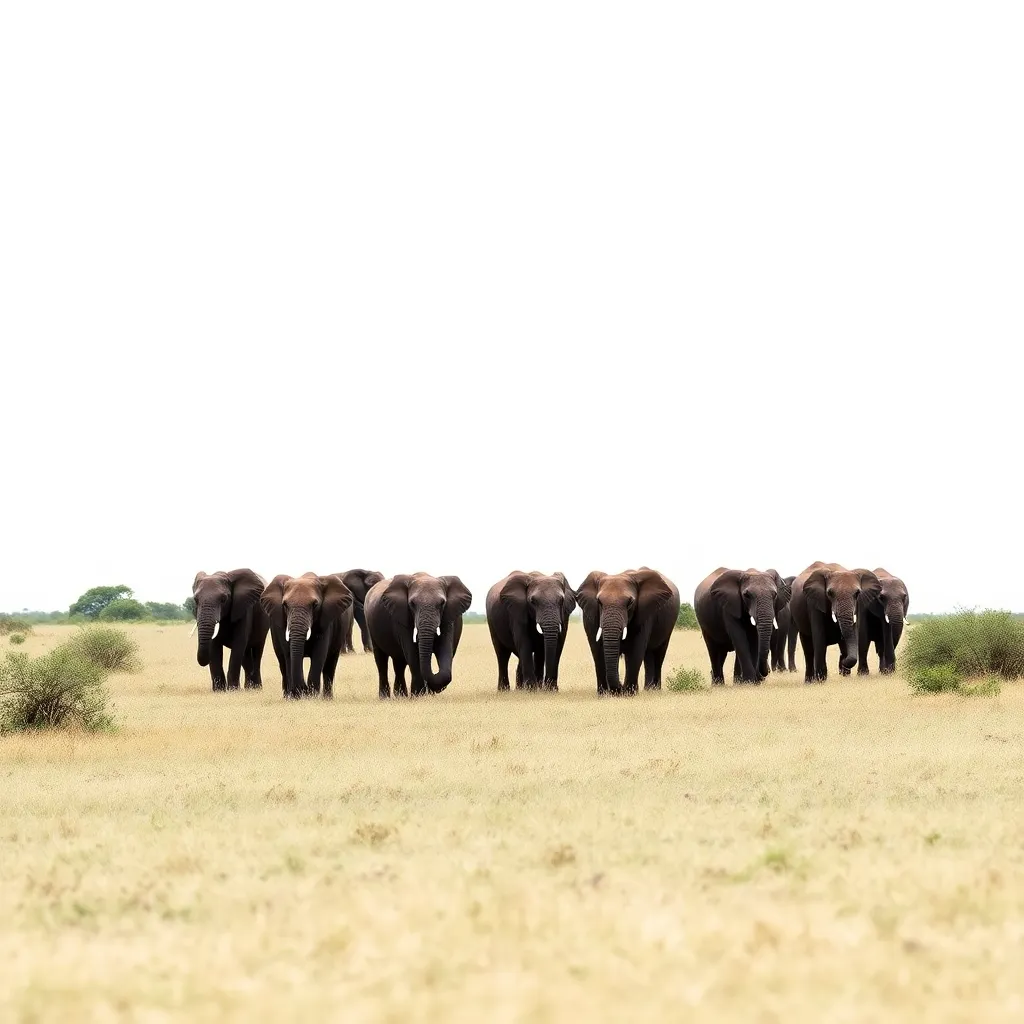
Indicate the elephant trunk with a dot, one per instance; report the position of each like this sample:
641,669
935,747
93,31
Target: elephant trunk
298,628
427,630
612,627
764,616
846,617
894,617
550,626
207,619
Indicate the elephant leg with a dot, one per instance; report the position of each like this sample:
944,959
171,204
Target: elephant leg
217,666
401,690
634,662
519,675
330,667
254,670
235,663
748,672
807,646
819,669
538,667
863,647
791,646
502,654
364,633
716,655
598,655
653,661
383,687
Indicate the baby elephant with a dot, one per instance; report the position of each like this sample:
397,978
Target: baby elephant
528,615
737,611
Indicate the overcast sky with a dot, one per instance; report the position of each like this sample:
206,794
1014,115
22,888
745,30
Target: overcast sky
465,287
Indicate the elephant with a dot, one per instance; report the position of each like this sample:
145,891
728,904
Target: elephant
631,613
784,635
228,614
882,624
412,618
307,619
826,603
736,611
528,616
359,582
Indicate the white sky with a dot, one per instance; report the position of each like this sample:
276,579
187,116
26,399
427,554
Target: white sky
467,287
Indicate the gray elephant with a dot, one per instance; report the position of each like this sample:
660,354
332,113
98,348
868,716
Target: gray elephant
630,613
528,616
359,582
736,610
881,623
784,635
228,614
827,602
411,620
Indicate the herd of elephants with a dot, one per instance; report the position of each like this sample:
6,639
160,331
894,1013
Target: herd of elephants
414,620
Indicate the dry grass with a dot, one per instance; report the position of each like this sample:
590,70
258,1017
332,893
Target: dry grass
842,852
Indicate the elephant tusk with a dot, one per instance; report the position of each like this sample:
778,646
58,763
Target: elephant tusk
753,621
775,623
624,628
597,638
216,630
886,616
192,631
415,633
309,633
539,630
559,627
834,619
438,630
287,634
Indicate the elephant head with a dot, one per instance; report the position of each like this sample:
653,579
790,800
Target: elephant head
359,582
892,606
541,602
222,598
612,604
308,604
753,596
424,609
841,595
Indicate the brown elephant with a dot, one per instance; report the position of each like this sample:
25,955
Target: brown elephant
528,616
881,623
827,602
736,610
631,613
307,619
359,582
412,619
228,614
784,636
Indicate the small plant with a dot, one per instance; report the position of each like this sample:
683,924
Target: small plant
112,650
10,624
62,689
685,680
686,617
17,638
935,679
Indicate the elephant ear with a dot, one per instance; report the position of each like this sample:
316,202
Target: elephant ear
337,596
396,599
726,592
870,587
372,579
272,598
785,590
814,590
458,597
246,590
653,591
586,592
569,600
513,594
195,583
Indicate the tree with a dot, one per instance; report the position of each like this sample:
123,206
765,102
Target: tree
124,609
165,610
687,617
94,600
190,606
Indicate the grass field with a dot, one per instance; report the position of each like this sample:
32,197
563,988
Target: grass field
843,852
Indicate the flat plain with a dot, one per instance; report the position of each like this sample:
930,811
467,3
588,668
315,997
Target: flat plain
838,852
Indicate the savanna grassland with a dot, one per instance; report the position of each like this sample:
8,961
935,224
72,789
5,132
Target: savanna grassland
839,852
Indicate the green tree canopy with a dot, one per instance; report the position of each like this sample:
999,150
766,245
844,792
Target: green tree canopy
166,610
94,600
124,609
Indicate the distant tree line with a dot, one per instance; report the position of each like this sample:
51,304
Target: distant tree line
111,604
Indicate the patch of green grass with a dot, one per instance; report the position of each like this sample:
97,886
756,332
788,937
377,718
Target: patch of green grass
685,680
17,638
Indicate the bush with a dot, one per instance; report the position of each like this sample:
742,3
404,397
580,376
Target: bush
62,689
685,680
17,638
687,617
111,650
935,679
973,643
10,624
125,609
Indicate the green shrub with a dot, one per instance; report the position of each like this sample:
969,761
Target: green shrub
110,649
10,624
935,679
62,689
687,617
973,644
125,609
685,680
17,638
